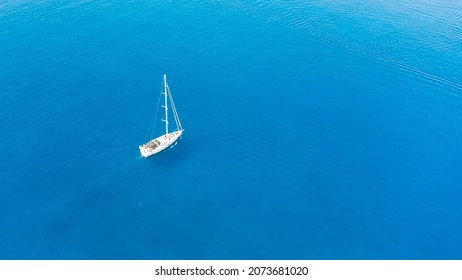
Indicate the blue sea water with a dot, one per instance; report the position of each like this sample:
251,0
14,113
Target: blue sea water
313,129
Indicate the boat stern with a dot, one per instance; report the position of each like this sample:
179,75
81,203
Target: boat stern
143,151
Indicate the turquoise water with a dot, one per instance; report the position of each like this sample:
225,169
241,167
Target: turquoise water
313,130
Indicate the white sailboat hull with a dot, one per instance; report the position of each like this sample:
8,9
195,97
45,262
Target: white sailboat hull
160,143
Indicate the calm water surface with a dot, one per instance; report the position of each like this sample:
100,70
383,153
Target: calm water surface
314,130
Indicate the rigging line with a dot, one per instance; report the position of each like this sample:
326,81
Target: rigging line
153,126
173,106
175,113
178,123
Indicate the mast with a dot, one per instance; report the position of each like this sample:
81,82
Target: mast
165,104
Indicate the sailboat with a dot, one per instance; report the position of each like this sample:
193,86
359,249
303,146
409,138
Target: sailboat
169,139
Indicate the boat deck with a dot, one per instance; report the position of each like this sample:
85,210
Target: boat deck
160,143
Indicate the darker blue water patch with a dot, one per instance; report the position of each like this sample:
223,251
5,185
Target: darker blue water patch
312,130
